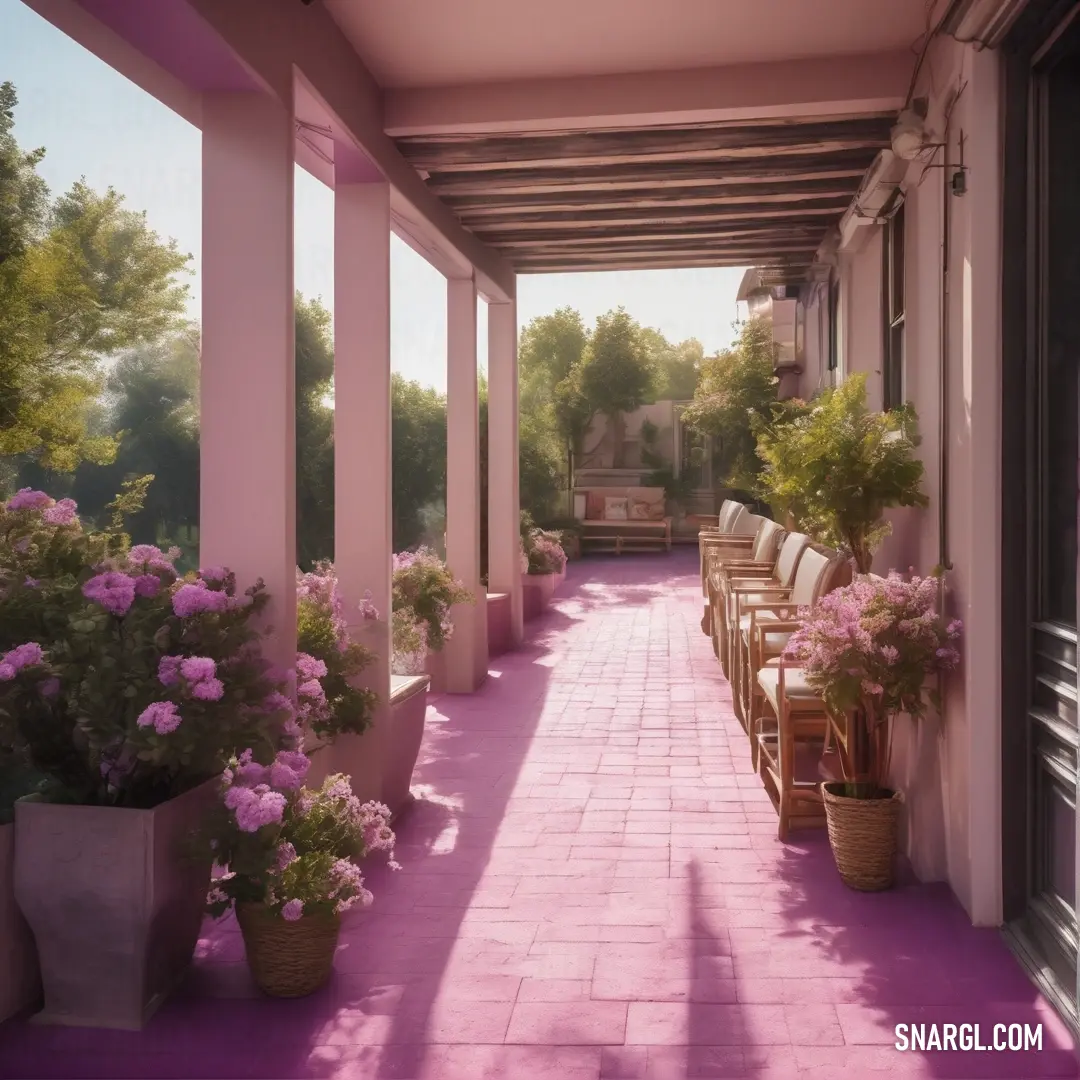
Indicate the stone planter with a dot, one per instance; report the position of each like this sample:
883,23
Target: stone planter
435,669
115,899
536,592
20,980
408,708
498,623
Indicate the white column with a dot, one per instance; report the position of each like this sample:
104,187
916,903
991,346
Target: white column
504,570
247,501
363,532
466,652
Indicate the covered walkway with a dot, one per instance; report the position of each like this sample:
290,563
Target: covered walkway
592,887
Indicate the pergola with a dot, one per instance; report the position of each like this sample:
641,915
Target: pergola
495,139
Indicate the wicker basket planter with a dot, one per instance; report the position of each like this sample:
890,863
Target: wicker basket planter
288,959
862,834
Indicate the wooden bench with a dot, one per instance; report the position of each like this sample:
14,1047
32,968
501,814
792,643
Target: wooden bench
637,535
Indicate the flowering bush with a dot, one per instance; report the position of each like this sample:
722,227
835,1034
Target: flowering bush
328,658
868,648
290,848
409,643
125,685
425,587
545,552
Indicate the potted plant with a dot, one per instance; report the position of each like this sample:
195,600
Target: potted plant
424,590
285,863
20,979
127,691
544,566
871,649
834,466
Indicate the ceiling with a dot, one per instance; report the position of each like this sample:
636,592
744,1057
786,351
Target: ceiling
761,192
414,43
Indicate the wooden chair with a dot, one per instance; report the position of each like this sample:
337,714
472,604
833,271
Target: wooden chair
766,620
748,579
791,750
741,530
761,559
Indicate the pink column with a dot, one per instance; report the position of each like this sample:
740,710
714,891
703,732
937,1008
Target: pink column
247,504
363,533
466,652
504,570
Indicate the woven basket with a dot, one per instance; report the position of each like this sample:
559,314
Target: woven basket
862,834
288,959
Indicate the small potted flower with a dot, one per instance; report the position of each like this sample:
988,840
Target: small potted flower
425,590
285,858
126,688
872,650
545,567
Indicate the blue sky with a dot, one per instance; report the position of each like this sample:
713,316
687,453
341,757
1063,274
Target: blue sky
94,123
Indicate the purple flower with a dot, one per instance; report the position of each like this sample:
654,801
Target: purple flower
191,600
146,553
63,513
311,689
147,585
286,854
292,910
168,670
25,655
208,690
32,583
197,668
112,590
214,573
308,667
288,770
7,672
163,716
29,499
255,807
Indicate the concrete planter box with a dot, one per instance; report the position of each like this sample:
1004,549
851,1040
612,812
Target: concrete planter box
115,901
435,667
498,623
408,708
536,592
20,980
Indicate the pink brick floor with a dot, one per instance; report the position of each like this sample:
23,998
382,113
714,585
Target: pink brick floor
592,887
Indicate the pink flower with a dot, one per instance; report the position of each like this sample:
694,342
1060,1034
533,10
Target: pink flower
168,670
147,585
63,513
292,910
288,769
311,689
146,553
208,690
7,672
214,573
197,668
163,716
308,667
286,854
31,583
255,807
29,499
191,600
26,655
112,590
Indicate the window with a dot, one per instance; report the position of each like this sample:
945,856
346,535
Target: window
892,277
834,314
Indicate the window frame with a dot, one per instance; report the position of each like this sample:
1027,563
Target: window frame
893,267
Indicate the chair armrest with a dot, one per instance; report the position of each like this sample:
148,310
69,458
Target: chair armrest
728,538
760,588
779,626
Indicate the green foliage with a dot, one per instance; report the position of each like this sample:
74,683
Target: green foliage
736,385
425,586
323,634
675,367
80,279
836,466
418,417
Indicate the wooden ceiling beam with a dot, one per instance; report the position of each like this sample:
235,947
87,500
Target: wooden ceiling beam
642,145
805,191
666,215
795,272
751,253
562,241
847,165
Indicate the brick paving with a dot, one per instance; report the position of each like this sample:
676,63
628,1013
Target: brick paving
593,888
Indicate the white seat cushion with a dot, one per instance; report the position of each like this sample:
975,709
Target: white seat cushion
801,697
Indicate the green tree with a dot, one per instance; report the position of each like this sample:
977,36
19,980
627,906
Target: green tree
616,374
80,279
314,432
675,367
836,466
418,418
734,386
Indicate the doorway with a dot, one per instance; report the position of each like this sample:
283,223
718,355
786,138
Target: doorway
1041,364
